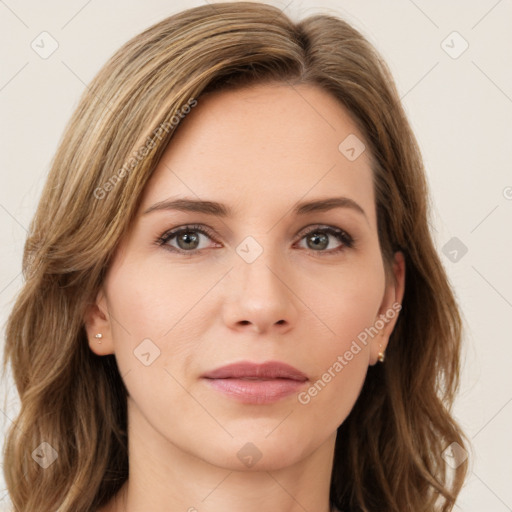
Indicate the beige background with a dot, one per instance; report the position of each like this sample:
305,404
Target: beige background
460,107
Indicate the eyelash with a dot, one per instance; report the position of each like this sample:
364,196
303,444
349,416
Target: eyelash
346,240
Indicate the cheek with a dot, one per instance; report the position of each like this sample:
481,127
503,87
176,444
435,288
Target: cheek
149,306
333,393
149,300
341,359
349,301
341,353
154,327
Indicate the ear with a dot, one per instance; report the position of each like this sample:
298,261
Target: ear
97,321
389,308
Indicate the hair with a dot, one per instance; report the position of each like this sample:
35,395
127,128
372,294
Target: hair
388,452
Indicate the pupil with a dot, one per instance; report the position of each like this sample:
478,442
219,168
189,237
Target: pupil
319,240
188,238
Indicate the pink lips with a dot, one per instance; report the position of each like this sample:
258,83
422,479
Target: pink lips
253,383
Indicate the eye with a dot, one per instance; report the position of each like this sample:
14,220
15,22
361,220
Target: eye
188,239
317,239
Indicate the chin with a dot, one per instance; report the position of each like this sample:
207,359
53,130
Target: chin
260,453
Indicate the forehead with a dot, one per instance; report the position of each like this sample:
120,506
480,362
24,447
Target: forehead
264,146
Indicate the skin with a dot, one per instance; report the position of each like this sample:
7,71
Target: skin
258,150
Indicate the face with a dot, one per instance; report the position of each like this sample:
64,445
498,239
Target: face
272,279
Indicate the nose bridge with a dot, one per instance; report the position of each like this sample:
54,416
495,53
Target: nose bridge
260,264
258,290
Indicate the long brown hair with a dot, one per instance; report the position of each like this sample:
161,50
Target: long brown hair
388,454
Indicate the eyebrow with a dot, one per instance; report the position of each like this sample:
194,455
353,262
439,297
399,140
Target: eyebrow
186,204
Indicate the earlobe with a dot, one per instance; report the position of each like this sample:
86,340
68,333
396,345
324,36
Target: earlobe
378,349
382,354
97,326
390,309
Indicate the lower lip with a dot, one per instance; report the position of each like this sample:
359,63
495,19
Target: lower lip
256,391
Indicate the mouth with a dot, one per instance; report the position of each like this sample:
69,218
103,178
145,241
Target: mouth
253,383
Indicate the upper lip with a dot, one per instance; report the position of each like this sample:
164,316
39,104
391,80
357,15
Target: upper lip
267,370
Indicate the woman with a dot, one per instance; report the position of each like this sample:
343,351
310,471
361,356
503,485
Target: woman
232,296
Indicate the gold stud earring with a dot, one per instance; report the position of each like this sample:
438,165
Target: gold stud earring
99,336
382,354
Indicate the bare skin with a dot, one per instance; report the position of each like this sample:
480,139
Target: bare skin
259,151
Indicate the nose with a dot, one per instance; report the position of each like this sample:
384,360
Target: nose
260,299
